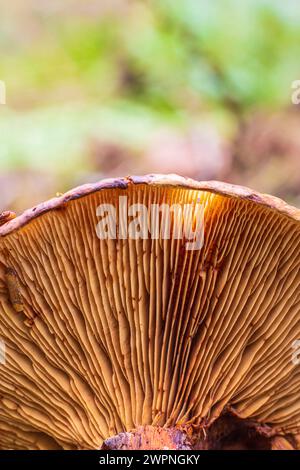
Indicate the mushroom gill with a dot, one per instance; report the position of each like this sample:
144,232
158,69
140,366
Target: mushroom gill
105,336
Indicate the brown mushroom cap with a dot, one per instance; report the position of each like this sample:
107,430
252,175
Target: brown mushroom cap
104,336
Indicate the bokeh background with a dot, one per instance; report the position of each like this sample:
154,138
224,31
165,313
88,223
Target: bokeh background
117,87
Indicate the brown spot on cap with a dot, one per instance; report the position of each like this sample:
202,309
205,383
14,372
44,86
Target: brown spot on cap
6,216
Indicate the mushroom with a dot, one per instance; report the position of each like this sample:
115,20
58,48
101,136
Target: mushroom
124,342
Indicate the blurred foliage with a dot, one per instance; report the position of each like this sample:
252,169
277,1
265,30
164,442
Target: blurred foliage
120,71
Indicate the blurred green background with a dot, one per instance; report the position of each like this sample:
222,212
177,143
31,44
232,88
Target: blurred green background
117,87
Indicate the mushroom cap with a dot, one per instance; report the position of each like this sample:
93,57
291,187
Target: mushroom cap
103,336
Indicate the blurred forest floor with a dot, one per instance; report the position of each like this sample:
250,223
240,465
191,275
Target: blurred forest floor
117,87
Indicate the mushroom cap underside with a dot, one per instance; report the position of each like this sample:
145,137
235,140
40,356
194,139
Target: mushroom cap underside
105,335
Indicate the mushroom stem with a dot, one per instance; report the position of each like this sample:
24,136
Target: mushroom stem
227,432
147,438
